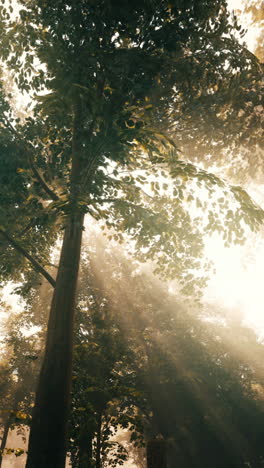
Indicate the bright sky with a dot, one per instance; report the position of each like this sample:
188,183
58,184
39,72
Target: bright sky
252,31
238,281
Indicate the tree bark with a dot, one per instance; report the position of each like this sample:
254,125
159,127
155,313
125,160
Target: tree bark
98,441
47,442
156,453
85,455
4,439
48,435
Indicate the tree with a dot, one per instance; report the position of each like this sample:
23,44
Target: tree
97,383
191,389
98,387
20,363
239,159
113,71
145,362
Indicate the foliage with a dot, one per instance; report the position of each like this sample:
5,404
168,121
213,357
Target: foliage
97,395
22,211
144,361
19,367
167,371
131,75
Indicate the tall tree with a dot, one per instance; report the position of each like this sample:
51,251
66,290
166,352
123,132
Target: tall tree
111,73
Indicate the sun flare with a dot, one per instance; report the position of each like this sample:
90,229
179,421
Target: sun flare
237,282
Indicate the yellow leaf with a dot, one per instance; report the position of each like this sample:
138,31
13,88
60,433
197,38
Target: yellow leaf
30,197
107,88
20,415
19,451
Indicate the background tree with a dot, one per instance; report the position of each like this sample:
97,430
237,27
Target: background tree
190,388
21,355
144,361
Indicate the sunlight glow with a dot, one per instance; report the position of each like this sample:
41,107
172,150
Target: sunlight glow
238,280
253,31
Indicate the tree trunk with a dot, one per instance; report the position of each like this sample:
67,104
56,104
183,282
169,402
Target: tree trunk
156,453
85,455
98,441
48,435
4,439
47,442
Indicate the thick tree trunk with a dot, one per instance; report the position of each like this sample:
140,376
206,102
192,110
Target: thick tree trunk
156,453
4,439
48,435
47,442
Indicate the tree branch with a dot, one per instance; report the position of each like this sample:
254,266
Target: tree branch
52,265
29,149
42,182
124,202
30,225
36,265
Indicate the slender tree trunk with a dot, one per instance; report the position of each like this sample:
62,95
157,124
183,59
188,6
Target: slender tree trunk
98,442
156,453
85,455
4,439
48,435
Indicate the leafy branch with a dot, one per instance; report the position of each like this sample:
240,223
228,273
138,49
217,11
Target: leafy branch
29,149
37,266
